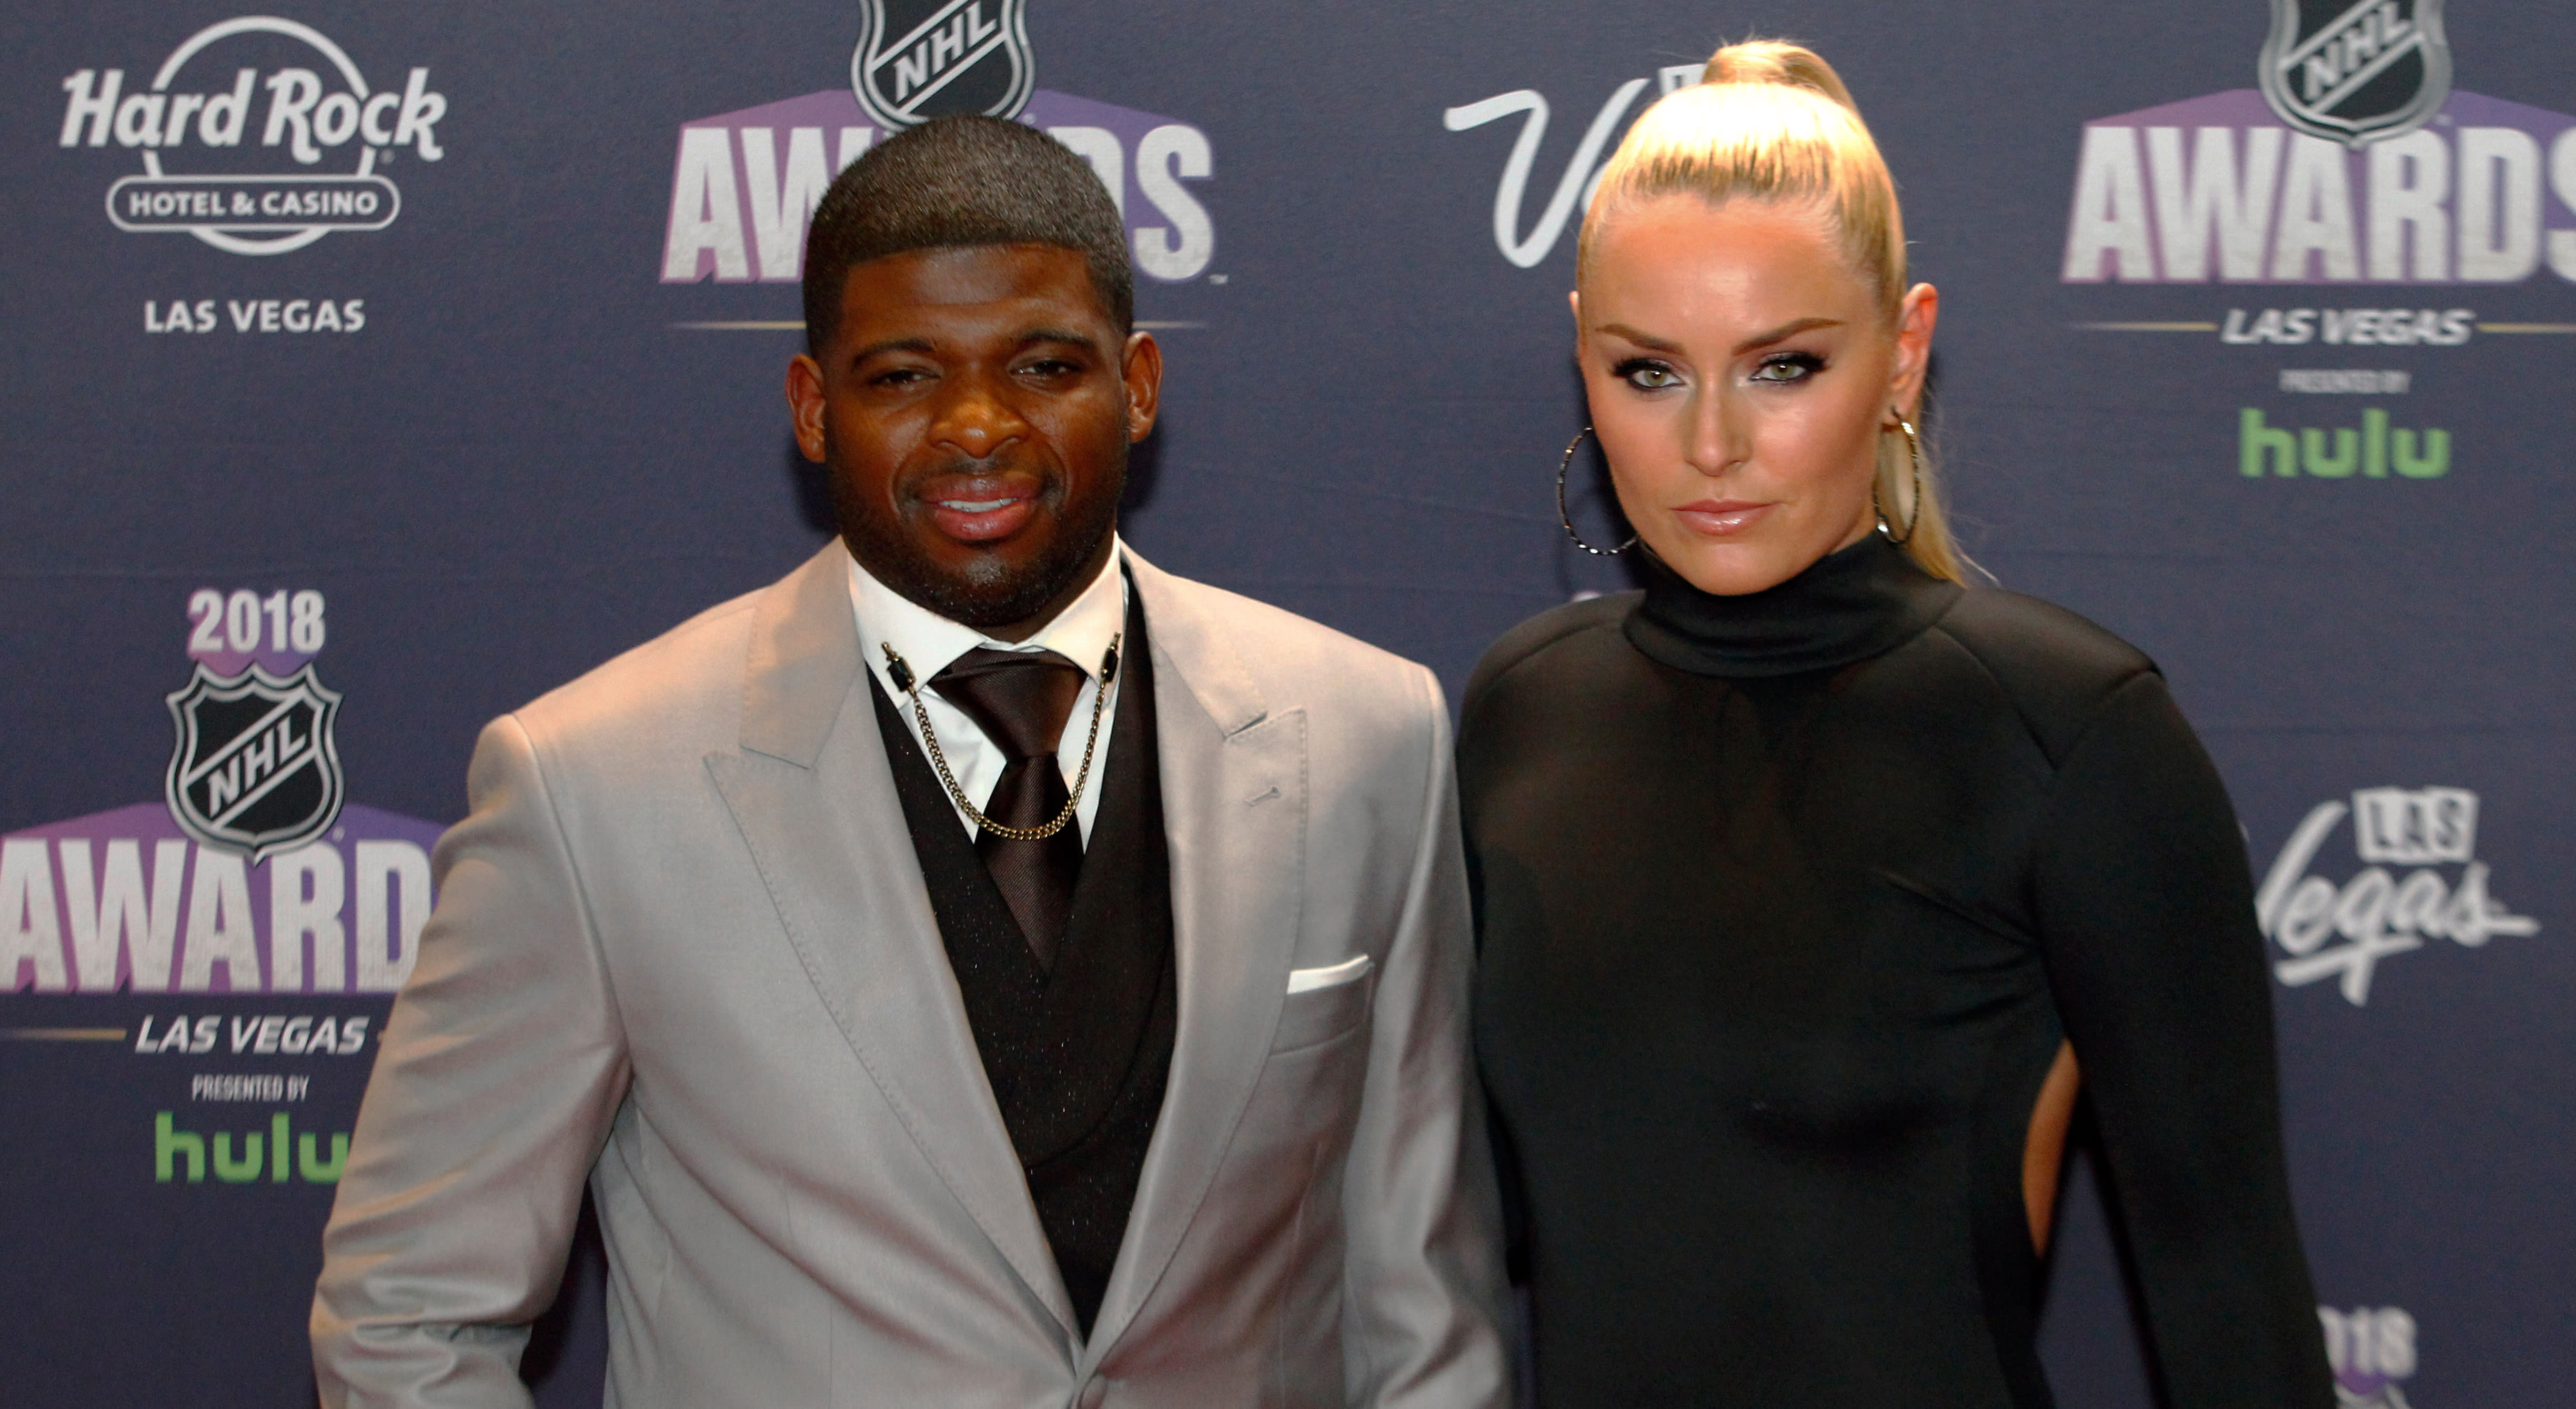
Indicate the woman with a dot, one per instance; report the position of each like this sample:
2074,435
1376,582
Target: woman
1810,880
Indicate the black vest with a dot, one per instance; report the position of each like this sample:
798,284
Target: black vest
1077,1059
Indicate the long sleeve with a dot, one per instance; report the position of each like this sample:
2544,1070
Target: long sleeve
2147,923
1423,1270
501,1068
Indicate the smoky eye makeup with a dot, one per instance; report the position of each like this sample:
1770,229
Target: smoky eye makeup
1645,373
1787,368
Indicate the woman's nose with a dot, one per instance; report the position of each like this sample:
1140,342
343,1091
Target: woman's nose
1713,433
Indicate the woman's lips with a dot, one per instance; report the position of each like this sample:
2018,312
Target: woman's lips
1720,518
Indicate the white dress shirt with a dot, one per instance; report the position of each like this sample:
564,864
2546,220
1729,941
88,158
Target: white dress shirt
930,643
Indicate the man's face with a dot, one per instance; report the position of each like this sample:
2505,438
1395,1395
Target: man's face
975,408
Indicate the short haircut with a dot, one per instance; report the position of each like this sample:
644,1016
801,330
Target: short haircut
963,181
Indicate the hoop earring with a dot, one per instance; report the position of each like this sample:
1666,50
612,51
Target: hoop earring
1914,457
1568,519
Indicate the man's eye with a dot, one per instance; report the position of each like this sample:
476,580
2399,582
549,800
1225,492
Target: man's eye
1050,367
899,377
1645,375
1788,367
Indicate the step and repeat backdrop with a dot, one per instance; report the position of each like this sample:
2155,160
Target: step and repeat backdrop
371,369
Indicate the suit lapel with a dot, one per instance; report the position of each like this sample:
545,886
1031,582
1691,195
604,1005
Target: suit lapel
815,799
1234,809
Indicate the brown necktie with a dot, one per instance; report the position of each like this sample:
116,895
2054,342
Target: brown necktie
1021,701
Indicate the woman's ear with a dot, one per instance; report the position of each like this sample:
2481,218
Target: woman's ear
1915,316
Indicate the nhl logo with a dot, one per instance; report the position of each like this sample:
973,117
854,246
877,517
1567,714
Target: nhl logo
2356,71
255,769
920,59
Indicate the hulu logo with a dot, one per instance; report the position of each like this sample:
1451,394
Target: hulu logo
260,1153
2370,452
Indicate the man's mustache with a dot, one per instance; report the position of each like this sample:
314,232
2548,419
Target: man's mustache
912,484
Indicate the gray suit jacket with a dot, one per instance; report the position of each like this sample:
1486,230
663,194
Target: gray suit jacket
682,949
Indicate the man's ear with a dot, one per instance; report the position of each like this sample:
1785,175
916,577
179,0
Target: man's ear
1141,368
805,404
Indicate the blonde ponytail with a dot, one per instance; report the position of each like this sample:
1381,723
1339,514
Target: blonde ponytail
1778,62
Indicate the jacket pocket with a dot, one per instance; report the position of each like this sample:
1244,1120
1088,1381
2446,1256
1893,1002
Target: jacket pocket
1317,1015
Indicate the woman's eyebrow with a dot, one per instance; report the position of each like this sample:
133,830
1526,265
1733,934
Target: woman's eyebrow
1645,340
1786,330
1763,339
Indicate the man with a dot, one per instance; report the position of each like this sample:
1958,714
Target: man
978,969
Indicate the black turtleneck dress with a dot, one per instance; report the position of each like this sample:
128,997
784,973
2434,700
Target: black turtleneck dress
1787,902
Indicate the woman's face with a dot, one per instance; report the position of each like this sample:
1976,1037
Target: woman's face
1739,372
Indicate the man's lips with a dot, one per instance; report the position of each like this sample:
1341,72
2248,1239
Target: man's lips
979,510
1722,518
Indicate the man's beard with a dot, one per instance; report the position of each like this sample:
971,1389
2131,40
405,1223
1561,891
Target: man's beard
985,594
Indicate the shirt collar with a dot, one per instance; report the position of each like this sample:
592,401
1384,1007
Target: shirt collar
929,642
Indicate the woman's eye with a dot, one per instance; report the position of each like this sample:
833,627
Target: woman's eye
1788,367
1646,376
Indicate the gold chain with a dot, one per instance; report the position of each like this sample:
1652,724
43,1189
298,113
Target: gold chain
956,794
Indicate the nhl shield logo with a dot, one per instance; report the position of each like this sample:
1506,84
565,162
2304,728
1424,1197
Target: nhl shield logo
255,769
920,59
2356,71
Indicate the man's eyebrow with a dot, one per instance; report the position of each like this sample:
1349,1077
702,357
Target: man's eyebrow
920,345
1060,335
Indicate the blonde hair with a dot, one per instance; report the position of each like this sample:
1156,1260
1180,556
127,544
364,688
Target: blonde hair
1772,122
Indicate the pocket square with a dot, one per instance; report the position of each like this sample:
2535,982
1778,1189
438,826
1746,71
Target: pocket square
1307,980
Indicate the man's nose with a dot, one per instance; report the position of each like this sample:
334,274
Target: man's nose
976,417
